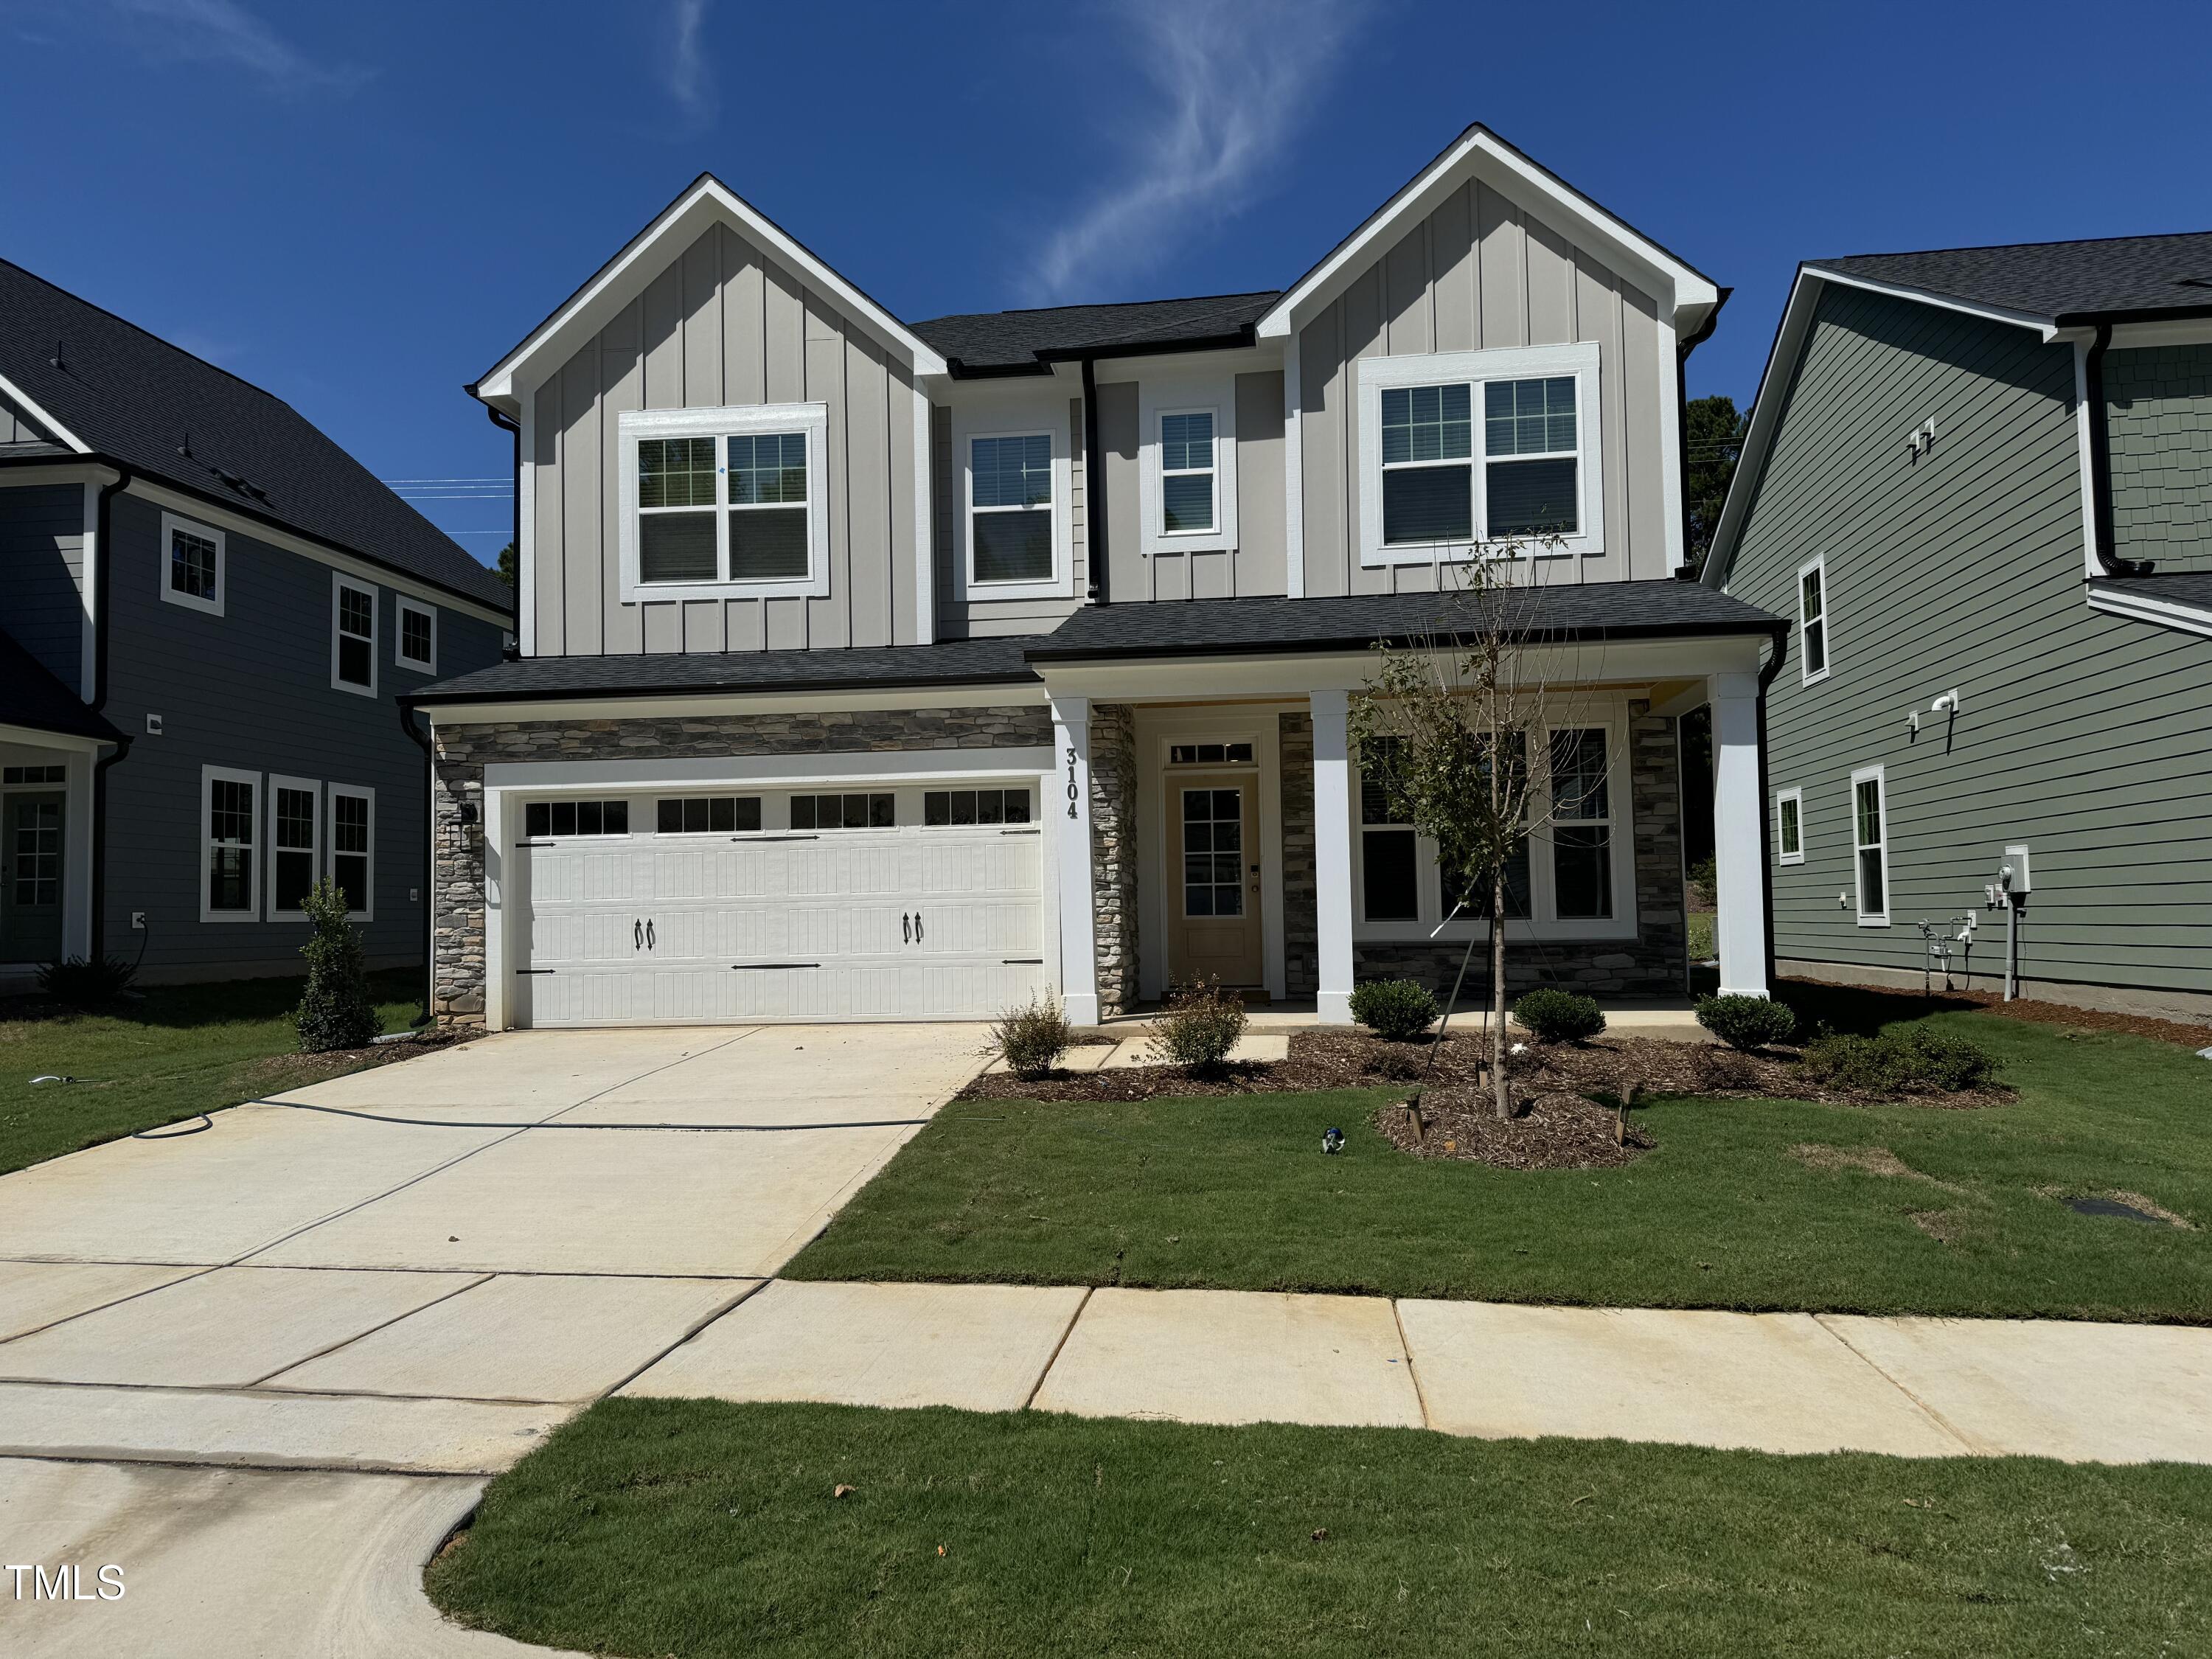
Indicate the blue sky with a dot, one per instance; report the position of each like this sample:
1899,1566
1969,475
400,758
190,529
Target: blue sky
361,208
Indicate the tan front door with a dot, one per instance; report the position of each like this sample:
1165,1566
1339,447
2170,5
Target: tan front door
1214,828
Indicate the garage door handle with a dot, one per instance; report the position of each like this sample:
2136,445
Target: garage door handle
917,927
637,936
648,934
906,928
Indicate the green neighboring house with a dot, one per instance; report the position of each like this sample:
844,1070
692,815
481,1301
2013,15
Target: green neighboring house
1978,483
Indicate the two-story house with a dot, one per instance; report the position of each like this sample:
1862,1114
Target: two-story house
207,611
880,670
1978,483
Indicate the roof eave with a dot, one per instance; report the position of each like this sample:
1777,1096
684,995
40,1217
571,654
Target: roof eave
1748,626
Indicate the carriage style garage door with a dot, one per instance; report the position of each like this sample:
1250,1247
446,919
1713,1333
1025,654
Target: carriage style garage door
875,905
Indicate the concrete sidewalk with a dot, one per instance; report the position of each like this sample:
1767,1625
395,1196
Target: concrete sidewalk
1777,1382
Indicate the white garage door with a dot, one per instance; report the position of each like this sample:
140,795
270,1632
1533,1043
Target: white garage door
917,921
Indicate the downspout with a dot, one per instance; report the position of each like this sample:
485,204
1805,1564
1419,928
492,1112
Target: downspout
514,527
1094,489
2100,462
429,860
1765,792
103,585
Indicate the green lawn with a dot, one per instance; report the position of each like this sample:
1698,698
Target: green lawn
182,1050
1235,1192
1702,947
653,1527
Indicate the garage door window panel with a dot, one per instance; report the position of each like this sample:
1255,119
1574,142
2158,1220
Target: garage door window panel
700,815
878,810
560,819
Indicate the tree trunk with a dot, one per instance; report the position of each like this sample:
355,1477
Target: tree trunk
1501,1096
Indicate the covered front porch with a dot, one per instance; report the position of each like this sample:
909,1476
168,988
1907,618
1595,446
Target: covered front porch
1214,823
50,744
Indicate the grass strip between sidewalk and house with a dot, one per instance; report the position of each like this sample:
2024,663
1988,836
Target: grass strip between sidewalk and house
1747,1204
651,1526
175,1052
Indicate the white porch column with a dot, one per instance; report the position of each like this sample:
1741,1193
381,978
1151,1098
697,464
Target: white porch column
1069,804
1333,855
1739,818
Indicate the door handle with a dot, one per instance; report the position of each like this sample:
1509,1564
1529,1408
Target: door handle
917,927
648,933
906,928
636,935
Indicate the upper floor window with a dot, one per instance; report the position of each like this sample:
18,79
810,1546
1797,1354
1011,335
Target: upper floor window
721,502
1010,536
193,568
418,634
1187,477
1467,448
1813,621
353,636
1187,462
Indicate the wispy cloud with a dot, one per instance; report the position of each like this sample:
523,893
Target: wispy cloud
1232,79
222,32
691,78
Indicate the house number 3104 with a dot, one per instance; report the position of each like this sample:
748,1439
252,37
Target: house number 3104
1073,793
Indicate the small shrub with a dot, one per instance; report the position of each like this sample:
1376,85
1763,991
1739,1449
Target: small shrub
1747,1024
85,983
1199,1026
1032,1037
1553,1016
1914,1060
336,1011
1395,1009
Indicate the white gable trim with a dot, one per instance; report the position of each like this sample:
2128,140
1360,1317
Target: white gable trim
627,275
15,395
1481,153
2043,326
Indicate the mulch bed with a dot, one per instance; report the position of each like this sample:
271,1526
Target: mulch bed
1551,1132
274,1074
2039,1013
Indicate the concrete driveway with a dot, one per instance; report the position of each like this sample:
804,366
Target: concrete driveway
392,1284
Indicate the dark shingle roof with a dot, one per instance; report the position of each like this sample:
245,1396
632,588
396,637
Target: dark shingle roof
1220,627
1029,339
2188,587
955,662
31,697
2118,276
131,396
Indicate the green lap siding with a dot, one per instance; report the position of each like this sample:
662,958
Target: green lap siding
2086,735
2159,400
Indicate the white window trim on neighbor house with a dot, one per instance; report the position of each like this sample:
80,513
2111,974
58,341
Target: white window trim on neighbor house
209,777
1880,779
811,420
1783,820
1475,369
1165,393
356,792
1020,417
1543,922
312,789
1807,674
171,525
340,585
402,608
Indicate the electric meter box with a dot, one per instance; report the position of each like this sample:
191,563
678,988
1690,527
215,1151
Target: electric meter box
2015,859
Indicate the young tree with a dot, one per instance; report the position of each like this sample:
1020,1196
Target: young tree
1453,728
336,1011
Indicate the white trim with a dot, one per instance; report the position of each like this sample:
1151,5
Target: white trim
1739,825
1880,777
1790,797
1807,674
1475,369
313,790
402,606
1333,911
356,792
752,772
89,593
1294,471
2045,328
1514,175
173,524
925,526
340,584
720,425
497,982
209,775
997,420
15,395
708,201
2086,471
1197,391
525,543
584,706
2167,613
1670,449
363,569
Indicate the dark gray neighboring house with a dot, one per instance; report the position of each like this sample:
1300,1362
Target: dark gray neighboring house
207,613
1978,483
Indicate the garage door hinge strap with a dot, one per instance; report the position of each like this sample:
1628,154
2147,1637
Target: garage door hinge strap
764,967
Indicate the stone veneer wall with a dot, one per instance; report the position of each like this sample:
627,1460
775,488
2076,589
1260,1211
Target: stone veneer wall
1653,963
1113,853
1301,892
464,750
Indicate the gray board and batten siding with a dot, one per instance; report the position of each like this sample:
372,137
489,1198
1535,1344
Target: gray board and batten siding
723,325
2085,736
250,689
1481,272
958,617
2158,401
42,574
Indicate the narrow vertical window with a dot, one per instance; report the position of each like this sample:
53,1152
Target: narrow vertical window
353,637
353,848
1187,472
192,564
1813,620
417,647
226,881
1581,825
1870,832
1428,469
1010,521
1789,825
1388,870
293,812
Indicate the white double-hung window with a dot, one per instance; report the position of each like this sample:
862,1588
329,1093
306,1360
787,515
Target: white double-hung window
725,502
1496,448
1187,463
1010,507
